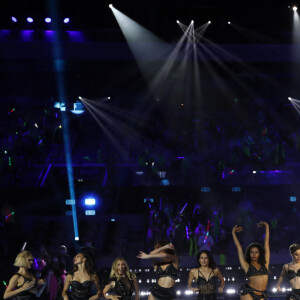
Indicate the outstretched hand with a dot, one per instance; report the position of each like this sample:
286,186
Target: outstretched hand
170,246
262,224
142,255
237,229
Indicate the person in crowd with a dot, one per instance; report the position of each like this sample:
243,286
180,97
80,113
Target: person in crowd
55,278
166,270
292,271
207,276
205,240
255,263
23,284
122,281
81,279
65,258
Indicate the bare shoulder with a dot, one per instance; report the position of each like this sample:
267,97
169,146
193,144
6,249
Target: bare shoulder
194,271
14,278
69,277
94,276
285,267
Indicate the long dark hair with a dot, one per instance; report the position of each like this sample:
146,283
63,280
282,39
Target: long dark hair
88,264
261,258
211,260
160,244
293,248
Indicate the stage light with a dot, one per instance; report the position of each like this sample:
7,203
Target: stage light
229,22
254,172
29,20
78,108
14,19
209,22
205,189
177,22
236,189
76,238
289,98
295,8
48,20
66,20
192,21
108,98
293,198
90,212
70,202
90,201
110,6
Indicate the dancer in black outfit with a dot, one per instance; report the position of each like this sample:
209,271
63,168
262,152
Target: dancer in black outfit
123,282
207,277
81,280
166,271
255,264
23,284
292,271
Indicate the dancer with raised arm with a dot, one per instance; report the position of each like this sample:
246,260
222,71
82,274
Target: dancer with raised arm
207,276
122,281
292,271
255,263
166,269
23,284
81,279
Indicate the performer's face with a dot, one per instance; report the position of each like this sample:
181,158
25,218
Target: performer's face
203,260
79,258
29,262
254,254
296,256
121,267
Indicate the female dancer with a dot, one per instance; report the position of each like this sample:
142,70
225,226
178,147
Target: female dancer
23,285
166,270
255,264
206,276
81,279
122,281
292,270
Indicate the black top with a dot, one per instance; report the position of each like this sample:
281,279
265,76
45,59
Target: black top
80,291
123,287
207,286
291,274
170,271
25,295
252,271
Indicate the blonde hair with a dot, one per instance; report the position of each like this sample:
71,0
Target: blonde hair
21,259
114,272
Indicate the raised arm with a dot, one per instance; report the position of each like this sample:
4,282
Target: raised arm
163,248
266,242
11,290
221,278
169,257
243,262
190,281
97,285
281,277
